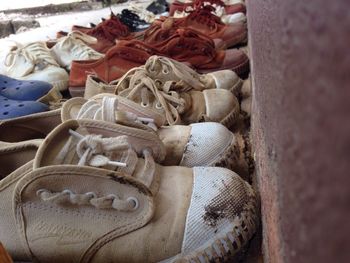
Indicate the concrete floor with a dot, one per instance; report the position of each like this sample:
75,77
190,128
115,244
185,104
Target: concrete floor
54,23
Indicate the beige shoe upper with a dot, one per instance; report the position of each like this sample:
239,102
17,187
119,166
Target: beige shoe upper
185,145
74,46
16,160
35,62
90,198
175,101
166,69
33,126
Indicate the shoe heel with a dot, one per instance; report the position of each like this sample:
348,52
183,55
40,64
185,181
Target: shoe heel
77,91
60,85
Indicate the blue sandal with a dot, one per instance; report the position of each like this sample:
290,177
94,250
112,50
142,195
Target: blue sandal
23,89
15,108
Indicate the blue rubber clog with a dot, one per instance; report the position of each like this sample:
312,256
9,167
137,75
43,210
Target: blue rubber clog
25,90
15,108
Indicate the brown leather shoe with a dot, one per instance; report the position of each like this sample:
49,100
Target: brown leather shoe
203,21
198,50
183,45
117,61
106,33
230,35
229,9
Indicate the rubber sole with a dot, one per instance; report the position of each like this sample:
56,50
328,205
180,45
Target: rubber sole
236,87
232,117
77,91
60,85
223,247
233,158
241,69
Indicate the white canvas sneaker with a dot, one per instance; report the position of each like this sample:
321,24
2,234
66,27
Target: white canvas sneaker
74,47
89,198
185,145
35,62
166,69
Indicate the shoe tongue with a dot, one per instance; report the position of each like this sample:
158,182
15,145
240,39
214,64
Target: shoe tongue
18,65
96,144
86,145
104,107
168,23
167,69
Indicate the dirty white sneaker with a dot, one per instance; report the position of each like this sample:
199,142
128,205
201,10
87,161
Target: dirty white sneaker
35,62
90,198
177,102
167,69
185,145
74,47
144,14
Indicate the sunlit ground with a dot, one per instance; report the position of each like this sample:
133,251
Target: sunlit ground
14,4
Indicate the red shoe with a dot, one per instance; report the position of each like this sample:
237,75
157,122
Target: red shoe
106,33
224,36
229,9
117,61
198,50
184,45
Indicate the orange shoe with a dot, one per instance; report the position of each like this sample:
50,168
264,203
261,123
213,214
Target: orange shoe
229,9
117,61
198,50
203,21
106,33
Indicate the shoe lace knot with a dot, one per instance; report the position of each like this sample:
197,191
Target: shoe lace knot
109,201
197,4
204,15
166,68
186,43
108,111
110,29
153,93
81,42
35,55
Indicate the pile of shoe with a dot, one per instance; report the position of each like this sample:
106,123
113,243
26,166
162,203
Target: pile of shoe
140,165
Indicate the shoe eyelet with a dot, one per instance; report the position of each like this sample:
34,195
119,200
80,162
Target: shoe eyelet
40,191
134,201
158,82
67,191
165,71
111,197
158,106
145,105
92,194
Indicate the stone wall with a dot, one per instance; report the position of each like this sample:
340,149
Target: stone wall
300,54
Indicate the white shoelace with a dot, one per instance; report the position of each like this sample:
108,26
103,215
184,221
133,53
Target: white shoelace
110,201
142,86
97,151
157,65
108,111
36,55
80,45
